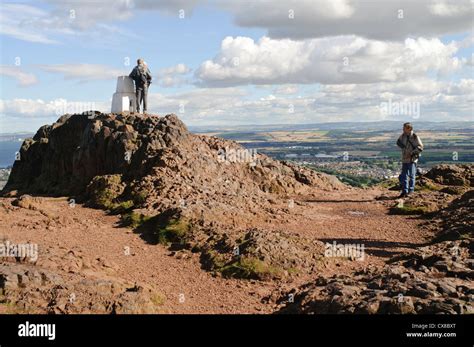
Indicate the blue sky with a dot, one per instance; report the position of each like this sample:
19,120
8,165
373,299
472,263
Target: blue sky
239,62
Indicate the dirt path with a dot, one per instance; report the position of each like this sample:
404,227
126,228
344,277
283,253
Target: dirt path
352,216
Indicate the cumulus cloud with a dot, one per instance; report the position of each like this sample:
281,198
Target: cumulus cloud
381,20
239,105
345,59
295,19
336,102
173,76
24,79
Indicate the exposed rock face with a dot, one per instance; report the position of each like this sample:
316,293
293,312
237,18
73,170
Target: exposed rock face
150,152
453,175
456,221
436,189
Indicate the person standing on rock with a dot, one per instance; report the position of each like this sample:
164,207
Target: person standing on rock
411,147
142,77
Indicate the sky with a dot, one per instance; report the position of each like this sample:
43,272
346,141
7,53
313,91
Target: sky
235,62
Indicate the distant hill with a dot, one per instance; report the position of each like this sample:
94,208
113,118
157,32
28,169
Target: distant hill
383,125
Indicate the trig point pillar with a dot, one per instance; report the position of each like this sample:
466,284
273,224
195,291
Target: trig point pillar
124,99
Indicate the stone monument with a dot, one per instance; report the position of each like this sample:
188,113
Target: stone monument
124,99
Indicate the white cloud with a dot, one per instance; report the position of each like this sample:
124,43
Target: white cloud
84,15
173,76
438,100
85,72
286,89
345,59
23,78
33,24
295,19
179,69
168,6
38,108
16,20
301,19
445,8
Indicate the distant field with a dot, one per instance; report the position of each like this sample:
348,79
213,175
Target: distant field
441,144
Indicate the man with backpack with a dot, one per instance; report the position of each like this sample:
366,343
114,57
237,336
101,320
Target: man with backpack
142,77
411,147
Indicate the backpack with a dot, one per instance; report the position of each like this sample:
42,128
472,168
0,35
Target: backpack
142,76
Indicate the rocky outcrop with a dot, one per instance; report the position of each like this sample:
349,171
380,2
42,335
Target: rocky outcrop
456,221
150,153
433,279
452,175
436,189
71,283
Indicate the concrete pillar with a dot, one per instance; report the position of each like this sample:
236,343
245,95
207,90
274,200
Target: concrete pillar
124,99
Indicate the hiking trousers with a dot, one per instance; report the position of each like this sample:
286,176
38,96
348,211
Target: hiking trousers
142,95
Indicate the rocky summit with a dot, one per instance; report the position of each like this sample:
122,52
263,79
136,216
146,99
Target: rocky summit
151,157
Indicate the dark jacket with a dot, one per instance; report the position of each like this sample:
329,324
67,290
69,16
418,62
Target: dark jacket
141,76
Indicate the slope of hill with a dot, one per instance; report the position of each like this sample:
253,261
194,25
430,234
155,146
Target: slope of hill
228,229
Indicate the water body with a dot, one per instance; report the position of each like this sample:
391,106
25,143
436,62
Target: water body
7,152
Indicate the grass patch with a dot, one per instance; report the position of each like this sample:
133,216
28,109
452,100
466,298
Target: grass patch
211,259
140,197
251,268
104,190
390,184
164,228
429,187
157,299
174,231
121,207
410,210
134,220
